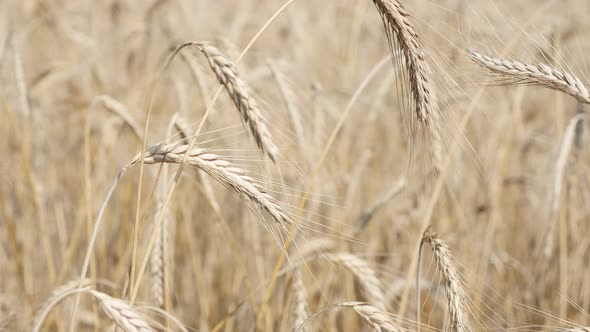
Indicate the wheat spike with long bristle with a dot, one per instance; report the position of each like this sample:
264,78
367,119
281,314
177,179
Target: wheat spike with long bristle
454,288
401,33
540,74
224,172
241,96
378,320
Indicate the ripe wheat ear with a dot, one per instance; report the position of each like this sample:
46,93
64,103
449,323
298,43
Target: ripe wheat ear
541,74
402,34
227,174
455,292
241,96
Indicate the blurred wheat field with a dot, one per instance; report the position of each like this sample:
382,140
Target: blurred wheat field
335,176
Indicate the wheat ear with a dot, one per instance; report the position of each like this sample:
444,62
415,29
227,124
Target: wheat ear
558,178
406,48
241,96
454,288
363,219
378,320
365,275
402,34
300,308
161,255
540,74
224,172
294,115
115,107
121,313
6,320
158,262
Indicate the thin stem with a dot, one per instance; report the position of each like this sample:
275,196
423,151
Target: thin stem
309,188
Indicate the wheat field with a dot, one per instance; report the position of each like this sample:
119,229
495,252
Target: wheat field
294,165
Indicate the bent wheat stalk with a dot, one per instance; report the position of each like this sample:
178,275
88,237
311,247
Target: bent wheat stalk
53,299
541,74
120,312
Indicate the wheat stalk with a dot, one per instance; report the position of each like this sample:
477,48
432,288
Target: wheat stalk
241,96
54,297
224,172
454,288
181,126
21,84
540,74
119,311
363,219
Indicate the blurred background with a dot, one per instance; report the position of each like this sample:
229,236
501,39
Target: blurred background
511,201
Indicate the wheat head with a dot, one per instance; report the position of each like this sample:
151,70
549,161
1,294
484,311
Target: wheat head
378,320
402,33
540,74
454,289
365,275
242,97
232,177
121,313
